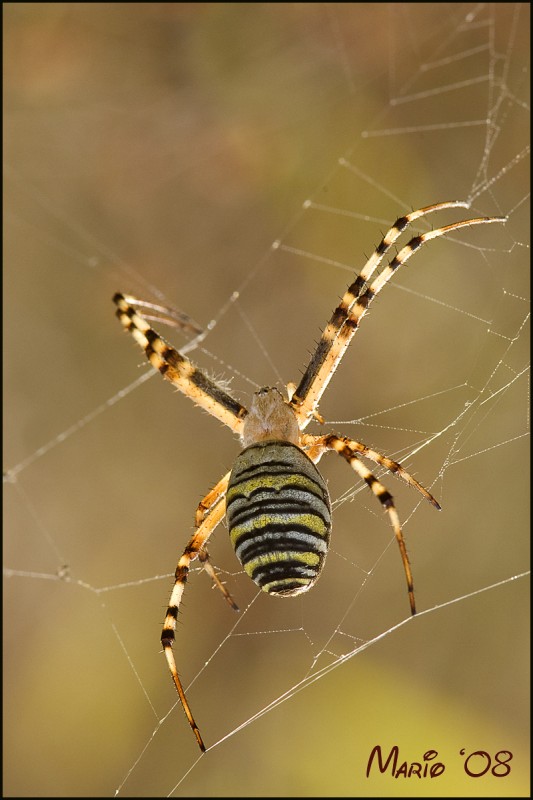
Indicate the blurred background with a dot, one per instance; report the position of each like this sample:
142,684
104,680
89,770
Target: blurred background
162,149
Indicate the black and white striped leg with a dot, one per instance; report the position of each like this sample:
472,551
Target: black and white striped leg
343,448
348,315
196,544
217,493
203,556
316,445
177,368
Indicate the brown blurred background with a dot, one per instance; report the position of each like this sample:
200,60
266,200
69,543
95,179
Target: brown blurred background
161,149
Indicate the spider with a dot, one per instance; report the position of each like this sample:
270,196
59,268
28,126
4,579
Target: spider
275,500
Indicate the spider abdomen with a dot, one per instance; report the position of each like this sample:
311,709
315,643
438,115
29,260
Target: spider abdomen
279,516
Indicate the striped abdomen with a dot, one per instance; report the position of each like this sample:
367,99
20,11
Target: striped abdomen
279,516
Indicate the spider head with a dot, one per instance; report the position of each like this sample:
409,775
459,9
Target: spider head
270,417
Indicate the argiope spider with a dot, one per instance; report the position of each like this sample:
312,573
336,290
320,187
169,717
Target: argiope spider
276,502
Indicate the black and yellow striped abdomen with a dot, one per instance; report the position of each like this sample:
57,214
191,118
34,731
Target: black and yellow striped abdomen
279,516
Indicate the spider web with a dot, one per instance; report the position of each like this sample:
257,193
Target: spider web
237,162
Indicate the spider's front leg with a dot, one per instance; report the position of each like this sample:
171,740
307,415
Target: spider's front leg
210,512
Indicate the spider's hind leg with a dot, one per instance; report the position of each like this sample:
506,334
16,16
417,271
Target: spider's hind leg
203,556
205,508
349,449
209,514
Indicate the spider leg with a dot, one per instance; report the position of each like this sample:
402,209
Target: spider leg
394,232
317,445
168,315
204,506
206,503
177,368
347,317
343,448
217,509
203,556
